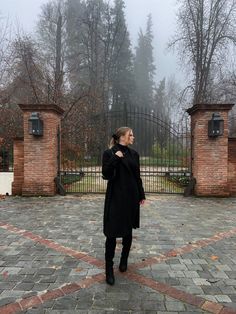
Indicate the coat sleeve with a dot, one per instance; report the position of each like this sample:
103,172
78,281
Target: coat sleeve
140,183
109,164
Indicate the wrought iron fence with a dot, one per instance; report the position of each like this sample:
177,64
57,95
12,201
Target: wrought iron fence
164,150
6,158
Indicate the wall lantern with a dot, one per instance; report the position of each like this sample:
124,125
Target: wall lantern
215,125
35,124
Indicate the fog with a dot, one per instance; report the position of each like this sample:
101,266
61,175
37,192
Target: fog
25,13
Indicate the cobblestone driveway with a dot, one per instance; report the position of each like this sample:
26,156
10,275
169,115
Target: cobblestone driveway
183,258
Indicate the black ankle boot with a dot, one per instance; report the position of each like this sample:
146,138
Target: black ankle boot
110,279
123,264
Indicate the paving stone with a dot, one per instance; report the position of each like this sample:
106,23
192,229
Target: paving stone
65,303
201,282
178,267
48,305
199,261
176,274
227,290
35,311
186,261
172,281
219,274
191,274
174,306
16,294
50,279
40,286
160,267
211,290
28,271
194,268
24,286
222,298
167,223
230,282
45,271
165,312
192,289
224,267
7,285
5,301
152,305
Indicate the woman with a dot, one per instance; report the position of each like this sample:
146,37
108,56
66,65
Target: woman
120,166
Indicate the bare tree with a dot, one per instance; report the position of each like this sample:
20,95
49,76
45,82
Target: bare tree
51,37
206,29
5,56
28,83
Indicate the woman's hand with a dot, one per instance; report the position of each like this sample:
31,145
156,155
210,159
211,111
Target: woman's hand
142,202
119,154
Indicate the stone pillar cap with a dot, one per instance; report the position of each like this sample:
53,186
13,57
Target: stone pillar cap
42,107
209,107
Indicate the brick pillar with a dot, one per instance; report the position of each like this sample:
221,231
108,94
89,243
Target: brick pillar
232,166
209,155
18,153
40,152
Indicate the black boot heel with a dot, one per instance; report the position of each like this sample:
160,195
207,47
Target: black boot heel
123,264
110,279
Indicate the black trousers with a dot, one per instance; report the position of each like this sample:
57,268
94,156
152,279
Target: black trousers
110,247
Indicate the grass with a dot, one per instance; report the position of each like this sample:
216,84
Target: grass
95,184
144,161
161,162
70,178
160,184
87,184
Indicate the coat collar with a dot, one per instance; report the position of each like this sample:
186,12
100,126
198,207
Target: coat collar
117,147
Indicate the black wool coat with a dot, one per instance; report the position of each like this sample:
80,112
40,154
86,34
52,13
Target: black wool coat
124,191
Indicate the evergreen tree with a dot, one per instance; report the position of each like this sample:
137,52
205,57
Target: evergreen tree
144,71
159,99
85,48
144,68
122,79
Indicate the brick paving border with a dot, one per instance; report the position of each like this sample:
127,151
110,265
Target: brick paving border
66,289
180,295
53,245
185,249
35,301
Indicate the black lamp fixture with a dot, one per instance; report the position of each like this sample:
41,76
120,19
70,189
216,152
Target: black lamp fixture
35,124
215,125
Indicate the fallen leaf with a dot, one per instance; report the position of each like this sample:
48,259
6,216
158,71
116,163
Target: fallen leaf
56,267
214,257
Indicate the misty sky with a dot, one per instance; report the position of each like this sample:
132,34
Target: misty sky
25,13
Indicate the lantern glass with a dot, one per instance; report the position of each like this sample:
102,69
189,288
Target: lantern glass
215,125
35,124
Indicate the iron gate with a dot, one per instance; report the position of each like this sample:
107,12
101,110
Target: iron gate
6,158
164,150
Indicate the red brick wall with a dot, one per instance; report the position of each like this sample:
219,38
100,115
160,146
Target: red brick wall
40,160
209,155
35,159
232,166
18,154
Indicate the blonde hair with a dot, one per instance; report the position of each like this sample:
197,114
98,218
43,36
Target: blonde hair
116,136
